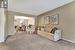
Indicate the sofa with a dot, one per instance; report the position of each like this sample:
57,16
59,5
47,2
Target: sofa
55,37
47,33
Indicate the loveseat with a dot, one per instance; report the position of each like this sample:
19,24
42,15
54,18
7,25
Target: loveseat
47,33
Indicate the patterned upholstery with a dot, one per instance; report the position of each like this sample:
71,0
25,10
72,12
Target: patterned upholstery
49,27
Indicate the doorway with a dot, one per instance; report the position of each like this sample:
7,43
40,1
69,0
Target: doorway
21,23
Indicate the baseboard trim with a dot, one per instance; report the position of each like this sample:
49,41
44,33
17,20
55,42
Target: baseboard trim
68,40
7,37
2,41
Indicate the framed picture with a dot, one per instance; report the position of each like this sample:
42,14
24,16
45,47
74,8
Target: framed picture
46,20
54,19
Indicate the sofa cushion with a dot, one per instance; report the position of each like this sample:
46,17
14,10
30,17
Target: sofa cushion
53,30
49,27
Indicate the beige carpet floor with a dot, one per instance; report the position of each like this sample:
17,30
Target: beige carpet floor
23,41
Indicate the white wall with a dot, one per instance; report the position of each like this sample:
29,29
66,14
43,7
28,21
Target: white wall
6,23
2,24
11,28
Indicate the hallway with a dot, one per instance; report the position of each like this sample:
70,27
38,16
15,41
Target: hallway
23,41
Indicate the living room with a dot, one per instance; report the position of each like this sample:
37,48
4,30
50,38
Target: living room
54,25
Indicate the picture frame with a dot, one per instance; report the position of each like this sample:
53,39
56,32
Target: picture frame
54,19
46,20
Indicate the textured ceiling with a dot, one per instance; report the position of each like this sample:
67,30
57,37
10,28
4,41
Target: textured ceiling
35,7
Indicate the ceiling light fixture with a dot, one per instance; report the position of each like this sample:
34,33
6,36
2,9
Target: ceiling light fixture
4,4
